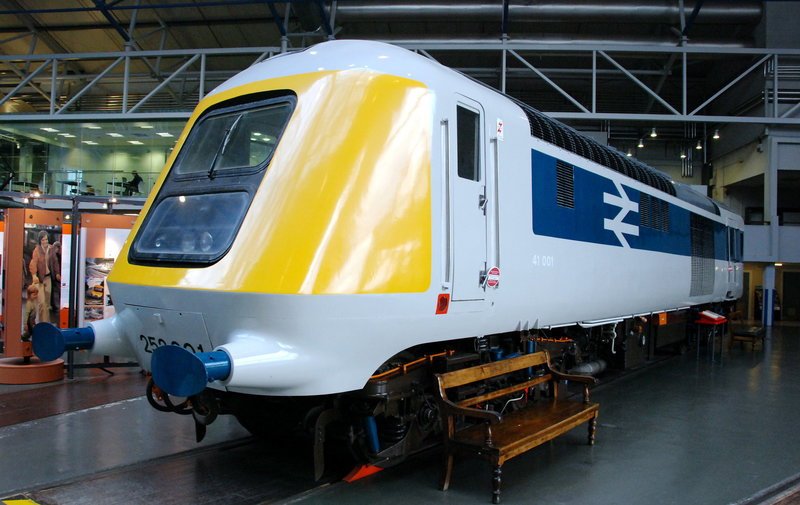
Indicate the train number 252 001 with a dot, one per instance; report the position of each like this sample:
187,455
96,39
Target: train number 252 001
151,343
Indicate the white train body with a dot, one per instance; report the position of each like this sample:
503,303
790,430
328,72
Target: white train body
360,229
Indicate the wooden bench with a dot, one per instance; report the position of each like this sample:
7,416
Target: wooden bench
748,334
500,436
742,333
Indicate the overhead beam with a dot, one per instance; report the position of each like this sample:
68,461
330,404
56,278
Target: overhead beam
583,111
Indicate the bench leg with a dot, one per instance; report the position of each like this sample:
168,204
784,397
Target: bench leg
592,429
497,480
447,471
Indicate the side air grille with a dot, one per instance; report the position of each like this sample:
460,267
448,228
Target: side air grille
663,222
644,210
653,212
702,238
565,190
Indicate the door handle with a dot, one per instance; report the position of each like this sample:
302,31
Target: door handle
482,201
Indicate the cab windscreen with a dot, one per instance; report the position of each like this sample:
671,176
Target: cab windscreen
200,207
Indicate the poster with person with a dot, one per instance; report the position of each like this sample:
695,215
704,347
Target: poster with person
41,270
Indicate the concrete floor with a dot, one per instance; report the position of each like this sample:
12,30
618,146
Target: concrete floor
684,431
681,432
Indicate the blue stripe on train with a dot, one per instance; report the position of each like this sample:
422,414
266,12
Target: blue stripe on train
586,222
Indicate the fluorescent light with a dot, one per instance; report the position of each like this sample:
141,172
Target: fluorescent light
146,126
136,142
115,135
94,127
164,134
89,142
48,129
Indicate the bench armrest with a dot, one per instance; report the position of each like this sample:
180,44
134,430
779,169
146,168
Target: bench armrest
586,379
450,408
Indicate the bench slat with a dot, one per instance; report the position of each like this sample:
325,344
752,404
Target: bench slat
526,428
489,370
503,392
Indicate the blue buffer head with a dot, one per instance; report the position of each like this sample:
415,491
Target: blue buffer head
50,342
181,373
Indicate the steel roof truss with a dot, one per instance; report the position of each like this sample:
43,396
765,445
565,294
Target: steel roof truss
549,81
641,84
27,79
88,86
164,83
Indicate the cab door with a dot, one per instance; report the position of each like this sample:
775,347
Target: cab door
468,183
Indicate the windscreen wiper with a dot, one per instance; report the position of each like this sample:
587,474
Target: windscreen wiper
223,147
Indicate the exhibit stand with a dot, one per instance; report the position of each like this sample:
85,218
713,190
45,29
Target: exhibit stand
28,236
54,265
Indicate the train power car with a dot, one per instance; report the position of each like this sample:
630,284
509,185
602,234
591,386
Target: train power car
335,222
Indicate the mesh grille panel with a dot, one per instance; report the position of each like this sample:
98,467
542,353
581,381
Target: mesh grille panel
702,256
565,191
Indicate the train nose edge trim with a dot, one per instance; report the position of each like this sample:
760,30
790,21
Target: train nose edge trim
180,372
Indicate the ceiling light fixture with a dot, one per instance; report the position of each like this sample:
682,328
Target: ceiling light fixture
683,155
641,143
629,154
716,135
699,145
653,133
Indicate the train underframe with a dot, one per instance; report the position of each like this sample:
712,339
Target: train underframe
396,415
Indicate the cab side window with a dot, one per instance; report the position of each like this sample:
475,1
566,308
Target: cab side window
468,130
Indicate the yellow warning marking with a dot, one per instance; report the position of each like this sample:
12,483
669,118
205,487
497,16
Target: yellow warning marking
19,502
